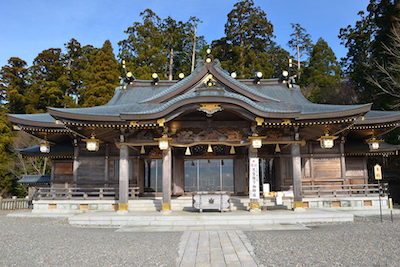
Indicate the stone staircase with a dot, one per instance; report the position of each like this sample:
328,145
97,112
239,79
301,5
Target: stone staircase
180,204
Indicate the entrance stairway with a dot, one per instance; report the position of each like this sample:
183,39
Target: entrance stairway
180,204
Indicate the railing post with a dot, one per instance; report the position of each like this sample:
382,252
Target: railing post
101,195
14,201
26,202
1,203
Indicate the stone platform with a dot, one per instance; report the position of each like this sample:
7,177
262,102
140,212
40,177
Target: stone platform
183,219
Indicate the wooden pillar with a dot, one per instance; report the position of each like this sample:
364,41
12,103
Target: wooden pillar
365,170
123,175
239,169
166,180
282,173
296,165
53,169
106,164
342,162
311,151
254,203
178,177
141,173
76,161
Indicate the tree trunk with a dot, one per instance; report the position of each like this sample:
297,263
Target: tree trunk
194,49
298,58
171,63
44,166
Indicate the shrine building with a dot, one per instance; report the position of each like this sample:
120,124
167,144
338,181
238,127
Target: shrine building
167,140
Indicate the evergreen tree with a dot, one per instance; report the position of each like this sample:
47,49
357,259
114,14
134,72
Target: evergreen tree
161,46
323,70
75,68
248,35
7,182
143,49
300,42
279,60
104,78
49,82
14,85
366,41
174,33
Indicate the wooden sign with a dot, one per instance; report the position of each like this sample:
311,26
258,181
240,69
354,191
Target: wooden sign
254,184
378,172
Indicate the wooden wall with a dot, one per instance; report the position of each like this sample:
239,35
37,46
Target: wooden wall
322,167
63,171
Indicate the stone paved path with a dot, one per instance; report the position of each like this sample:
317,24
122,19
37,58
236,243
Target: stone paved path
215,248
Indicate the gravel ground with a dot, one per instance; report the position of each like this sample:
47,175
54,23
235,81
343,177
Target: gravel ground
51,242
367,242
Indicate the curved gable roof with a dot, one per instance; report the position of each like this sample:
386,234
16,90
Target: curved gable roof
197,76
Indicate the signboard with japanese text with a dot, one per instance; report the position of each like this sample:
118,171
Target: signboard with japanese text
378,172
254,183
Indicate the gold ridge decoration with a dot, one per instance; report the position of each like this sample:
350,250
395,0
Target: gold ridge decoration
210,108
133,123
161,122
259,121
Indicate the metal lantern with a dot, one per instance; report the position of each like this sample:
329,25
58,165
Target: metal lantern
92,144
374,143
44,147
256,141
327,141
163,142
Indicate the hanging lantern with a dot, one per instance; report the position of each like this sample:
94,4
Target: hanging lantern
232,151
256,141
163,142
327,141
374,143
187,152
142,151
92,144
44,147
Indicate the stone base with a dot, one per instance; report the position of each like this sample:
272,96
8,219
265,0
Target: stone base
73,206
122,212
166,211
299,209
255,210
346,203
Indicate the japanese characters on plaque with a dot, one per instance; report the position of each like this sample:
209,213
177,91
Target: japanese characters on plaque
254,184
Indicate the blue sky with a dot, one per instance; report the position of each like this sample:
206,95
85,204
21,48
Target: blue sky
30,26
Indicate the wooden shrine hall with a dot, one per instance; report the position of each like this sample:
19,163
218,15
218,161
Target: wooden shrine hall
167,139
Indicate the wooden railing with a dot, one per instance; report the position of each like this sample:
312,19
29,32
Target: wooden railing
14,203
44,193
349,190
